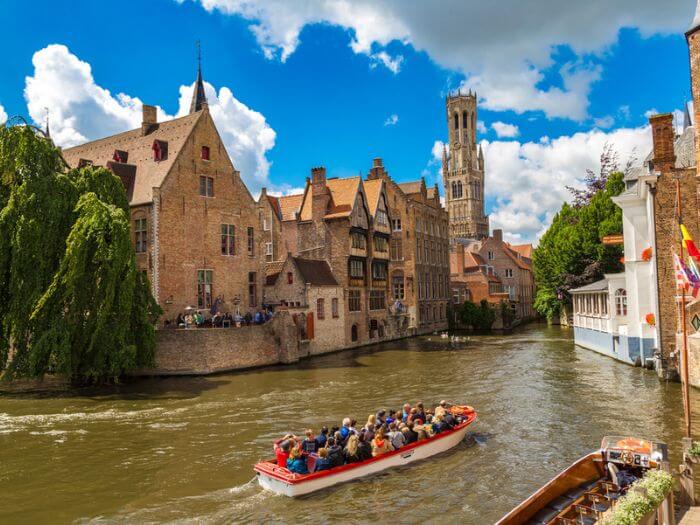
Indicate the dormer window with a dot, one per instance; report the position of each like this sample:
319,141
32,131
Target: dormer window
160,150
120,156
205,152
82,163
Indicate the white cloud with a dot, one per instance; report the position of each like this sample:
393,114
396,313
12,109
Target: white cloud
528,180
436,151
81,110
504,130
503,51
393,64
605,122
3,115
392,120
481,127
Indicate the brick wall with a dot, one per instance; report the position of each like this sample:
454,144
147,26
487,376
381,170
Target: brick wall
209,350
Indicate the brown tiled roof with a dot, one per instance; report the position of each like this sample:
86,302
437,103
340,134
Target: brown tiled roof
315,272
411,187
514,257
149,173
273,267
275,205
473,260
343,193
289,206
373,189
523,249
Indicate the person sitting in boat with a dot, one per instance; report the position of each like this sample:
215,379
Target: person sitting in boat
335,453
420,412
380,445
412,415
322,438
282,448
423,431
353,426
381,417
364,446
296,462
438,424
396,437
406,412
352,452
322,462
408,432
391,417
345,429
309,445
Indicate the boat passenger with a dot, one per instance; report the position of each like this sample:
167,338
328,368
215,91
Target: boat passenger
322,462
353,425
381,417
380,445
396,436
364,447
322,438
410,434
406,412
309,445
282,448
371,422
351,452
391,417
420,411
335,453
412,415
345,429
297,462
438,424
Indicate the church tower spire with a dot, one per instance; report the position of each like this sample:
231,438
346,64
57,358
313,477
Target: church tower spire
199,98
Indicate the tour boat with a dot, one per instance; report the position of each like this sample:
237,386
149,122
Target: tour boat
588,489
282,481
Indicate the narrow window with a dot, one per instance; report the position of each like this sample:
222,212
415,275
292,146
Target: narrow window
456,121
320,308
251,240
621,302
205,152
334,307
354,302
204,288
206,186
228,239
252,289
465,121
160,150
141,235
397,287
290,278
268,249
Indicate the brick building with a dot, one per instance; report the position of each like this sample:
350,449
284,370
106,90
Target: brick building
314,298
419,246
504,272
195,226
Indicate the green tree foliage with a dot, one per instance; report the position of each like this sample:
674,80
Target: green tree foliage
478,317
71,298
571,253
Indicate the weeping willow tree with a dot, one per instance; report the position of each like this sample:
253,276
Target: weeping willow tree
71,299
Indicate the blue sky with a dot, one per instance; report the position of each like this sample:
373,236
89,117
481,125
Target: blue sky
338,83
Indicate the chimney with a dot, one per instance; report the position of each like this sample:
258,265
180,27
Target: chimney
457,259
150,119
498,235
663,136
320,195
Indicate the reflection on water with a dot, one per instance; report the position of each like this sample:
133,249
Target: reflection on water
181,449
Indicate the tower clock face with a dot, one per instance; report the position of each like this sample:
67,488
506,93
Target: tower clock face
456,146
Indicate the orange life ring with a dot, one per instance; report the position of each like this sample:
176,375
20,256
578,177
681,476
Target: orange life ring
461,410
636,445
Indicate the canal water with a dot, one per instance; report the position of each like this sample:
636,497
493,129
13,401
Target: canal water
181,450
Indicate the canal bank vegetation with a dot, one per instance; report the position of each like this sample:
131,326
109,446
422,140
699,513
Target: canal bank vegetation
571,252
72,301
479,317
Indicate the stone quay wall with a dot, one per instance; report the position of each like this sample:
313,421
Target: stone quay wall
200,351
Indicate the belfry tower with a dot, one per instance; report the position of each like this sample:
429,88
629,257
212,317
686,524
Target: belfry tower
463,170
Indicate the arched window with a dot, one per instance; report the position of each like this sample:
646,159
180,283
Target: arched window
465,120
477,189
353,333
621,301
456,121
459,190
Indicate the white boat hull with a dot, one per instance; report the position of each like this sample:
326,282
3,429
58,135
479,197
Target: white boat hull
404,456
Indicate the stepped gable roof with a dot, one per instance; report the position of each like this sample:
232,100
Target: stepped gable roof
289,206
373,189
343,193
598,286
149,173
315,272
